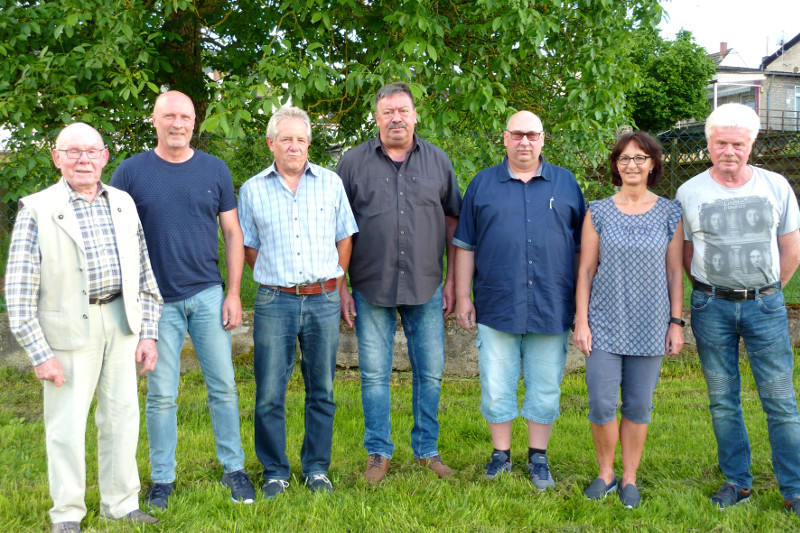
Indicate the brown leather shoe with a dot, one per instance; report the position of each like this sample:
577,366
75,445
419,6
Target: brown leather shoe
377,466
436,464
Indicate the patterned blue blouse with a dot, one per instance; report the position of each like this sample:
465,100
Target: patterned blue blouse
629,307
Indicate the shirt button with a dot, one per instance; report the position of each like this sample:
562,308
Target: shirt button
86,317
402,233
402,252
530,262
401,193
402,271
530,282
529,240
402,212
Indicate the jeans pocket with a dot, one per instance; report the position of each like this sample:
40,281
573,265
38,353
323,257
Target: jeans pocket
774,303
331,296
265,296
699,300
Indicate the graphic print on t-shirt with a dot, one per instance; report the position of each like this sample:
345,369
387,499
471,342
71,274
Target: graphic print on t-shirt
737,237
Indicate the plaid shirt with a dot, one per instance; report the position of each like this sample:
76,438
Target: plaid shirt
105,278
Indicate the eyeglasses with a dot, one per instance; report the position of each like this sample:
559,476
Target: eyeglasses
639,159
74,153
531,135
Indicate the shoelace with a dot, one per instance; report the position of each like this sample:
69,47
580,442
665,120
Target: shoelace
541,470
240,480
159,492
283,482
728,492
318,477
375,462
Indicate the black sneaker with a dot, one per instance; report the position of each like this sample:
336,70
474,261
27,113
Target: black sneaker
729,495
158,495
273,487
242,490
319,483
539,470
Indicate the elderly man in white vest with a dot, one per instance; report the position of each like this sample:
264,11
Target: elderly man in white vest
83,303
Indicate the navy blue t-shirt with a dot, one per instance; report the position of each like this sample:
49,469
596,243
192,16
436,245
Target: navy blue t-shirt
178,204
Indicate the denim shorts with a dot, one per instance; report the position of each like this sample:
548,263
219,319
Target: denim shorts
635,375
539,358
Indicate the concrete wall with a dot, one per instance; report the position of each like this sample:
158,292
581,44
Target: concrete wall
461,355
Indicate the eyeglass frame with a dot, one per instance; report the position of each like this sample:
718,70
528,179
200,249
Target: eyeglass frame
626,160
527,134
98,152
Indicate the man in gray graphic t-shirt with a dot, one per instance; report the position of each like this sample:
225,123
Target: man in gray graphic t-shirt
741,246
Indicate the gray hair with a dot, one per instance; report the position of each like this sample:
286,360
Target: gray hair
285,113
733,116
392,89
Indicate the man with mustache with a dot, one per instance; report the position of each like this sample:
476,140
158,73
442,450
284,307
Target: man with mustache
406,201
745,305
518,237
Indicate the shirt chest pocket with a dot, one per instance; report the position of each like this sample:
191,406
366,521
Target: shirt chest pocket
374,195
423,191
202,201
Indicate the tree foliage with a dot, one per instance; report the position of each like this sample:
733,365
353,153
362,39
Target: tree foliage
674,76
469,63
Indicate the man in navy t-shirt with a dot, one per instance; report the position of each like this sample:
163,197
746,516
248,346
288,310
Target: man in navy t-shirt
180,194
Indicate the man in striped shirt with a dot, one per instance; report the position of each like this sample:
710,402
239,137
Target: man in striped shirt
83,303
297,227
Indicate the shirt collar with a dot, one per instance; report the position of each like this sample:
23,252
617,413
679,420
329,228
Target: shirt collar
509,175
378,145
75,195
272,172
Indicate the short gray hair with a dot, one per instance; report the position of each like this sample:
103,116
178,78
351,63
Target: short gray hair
285,113
733,116
392,89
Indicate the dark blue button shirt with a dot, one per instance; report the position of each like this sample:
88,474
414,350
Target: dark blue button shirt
525,237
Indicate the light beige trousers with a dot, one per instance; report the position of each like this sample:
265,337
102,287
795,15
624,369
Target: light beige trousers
106,365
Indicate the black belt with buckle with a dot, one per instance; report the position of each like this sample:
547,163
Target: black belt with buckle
103,301
736,295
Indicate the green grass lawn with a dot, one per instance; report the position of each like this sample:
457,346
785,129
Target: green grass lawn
678,473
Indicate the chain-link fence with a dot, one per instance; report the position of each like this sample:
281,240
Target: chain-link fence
685,155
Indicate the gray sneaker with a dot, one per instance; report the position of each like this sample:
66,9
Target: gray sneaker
629,496
539,471
242,490
499,464
598,490
65,527
273,487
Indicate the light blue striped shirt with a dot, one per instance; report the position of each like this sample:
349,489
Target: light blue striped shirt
295,235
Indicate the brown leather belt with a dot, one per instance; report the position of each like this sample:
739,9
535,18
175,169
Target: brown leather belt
736,295
103,301
311,288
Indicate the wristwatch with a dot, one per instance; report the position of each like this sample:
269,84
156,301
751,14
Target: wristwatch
678,321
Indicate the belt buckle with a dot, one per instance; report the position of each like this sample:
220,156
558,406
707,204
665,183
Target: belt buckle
743,293
297,290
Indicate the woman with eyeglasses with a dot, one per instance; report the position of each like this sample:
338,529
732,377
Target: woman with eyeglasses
629,301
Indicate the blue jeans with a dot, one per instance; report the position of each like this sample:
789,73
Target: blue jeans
540,358
717,325
424,329
281,318
201,316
